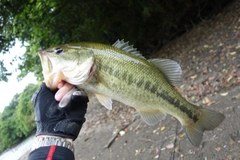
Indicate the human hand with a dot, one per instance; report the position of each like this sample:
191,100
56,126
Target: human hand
64,88
63,121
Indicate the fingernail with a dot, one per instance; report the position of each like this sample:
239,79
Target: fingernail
60,85
58,96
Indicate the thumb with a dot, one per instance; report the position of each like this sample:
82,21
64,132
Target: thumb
66,99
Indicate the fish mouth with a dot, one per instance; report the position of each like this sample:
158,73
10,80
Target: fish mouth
42,55
46,63
47,69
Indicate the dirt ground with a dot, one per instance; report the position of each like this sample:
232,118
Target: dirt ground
209,55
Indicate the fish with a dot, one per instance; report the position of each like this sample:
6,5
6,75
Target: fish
119,72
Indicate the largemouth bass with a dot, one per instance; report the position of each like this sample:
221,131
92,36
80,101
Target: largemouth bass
121,73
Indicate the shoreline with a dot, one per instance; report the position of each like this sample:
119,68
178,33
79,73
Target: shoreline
18,150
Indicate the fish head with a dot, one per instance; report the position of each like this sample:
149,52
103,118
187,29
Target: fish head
72,64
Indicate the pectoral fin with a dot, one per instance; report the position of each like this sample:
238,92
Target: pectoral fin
105,101
101,80
152,117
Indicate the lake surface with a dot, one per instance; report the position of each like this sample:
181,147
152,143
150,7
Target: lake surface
19,150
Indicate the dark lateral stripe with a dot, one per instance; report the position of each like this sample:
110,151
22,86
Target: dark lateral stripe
149,87
140,83
176,103
129,78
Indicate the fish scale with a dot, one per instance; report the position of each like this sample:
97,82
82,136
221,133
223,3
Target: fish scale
121,73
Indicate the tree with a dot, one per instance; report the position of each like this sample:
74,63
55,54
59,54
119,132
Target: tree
10,109
17,119
3,72
146,23
7,133
25,111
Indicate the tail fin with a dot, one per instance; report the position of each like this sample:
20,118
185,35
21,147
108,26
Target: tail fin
208,121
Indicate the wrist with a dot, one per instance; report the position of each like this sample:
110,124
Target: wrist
48,140
50,136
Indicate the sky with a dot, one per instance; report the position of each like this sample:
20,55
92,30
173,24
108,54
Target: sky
10,88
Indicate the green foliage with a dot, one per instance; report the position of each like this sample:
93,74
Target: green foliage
146,23
25,111
10,109
3,72
17,119
7,133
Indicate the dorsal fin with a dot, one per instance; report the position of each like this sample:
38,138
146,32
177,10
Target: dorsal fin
127,48
170,69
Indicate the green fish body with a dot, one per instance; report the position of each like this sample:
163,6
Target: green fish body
121,73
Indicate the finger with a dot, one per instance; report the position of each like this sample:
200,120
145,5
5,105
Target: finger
66,98
61,84
79,93
42,88
62,91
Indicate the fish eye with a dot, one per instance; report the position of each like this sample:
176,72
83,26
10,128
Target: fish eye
58,50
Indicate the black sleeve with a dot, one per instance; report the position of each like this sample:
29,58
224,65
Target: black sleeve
51,153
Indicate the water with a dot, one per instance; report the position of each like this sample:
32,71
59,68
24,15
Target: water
19,150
